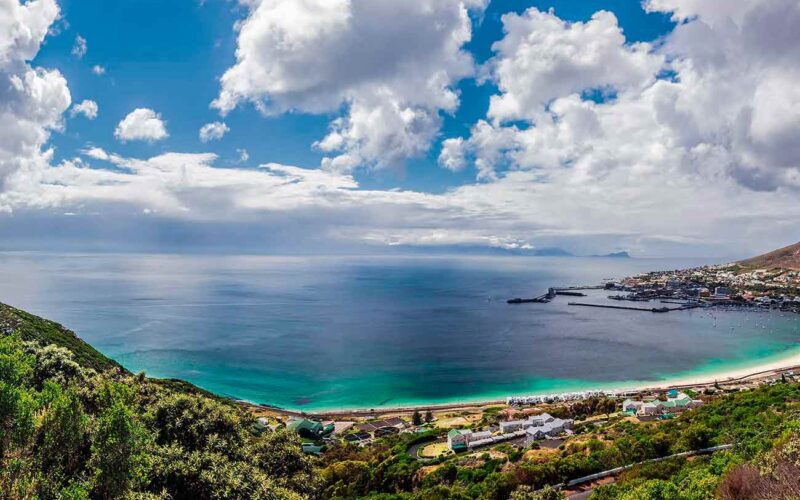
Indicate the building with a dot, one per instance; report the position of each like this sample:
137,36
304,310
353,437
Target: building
457,439
465,439
515,425
722,292
548,429
676,402
306,428
397,424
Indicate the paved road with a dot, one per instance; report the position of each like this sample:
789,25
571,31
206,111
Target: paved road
581,495
414,449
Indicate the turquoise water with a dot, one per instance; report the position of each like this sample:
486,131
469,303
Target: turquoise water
348,332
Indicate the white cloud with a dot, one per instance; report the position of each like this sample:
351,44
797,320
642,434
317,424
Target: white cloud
519,209
32,100
213,131
142,124
98,70
730,111
391,64
87,108
79,48
542,57
244,156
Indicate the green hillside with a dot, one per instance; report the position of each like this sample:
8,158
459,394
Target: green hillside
30,327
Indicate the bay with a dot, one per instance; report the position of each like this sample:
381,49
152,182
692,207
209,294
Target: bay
316,333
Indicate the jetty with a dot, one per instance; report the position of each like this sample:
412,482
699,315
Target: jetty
542,299
629,308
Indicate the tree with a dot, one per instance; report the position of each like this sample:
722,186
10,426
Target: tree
16,403
416,418
62,443
528,493
119,450
279,455
197,423
429,416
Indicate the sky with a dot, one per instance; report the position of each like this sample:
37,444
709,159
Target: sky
661,128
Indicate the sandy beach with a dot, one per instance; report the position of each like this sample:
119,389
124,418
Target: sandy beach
730,377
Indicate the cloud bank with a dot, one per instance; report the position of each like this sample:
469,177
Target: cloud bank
590,142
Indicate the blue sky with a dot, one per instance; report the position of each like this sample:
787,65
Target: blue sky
595,126
149,58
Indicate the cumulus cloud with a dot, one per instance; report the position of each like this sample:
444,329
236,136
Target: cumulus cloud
542,57
392,65
141,124
80,47
717,98
32,100
213,131
87,108
98,70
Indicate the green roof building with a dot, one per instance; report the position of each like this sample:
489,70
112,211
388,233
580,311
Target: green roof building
306,427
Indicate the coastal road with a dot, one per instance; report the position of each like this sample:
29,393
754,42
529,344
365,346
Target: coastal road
581,493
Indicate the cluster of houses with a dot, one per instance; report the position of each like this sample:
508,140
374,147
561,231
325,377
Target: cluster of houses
329,431
676,402
554,398
535,428
764,287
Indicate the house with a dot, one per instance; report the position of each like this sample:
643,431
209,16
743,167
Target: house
651,408
462,439
631,406
676,402
306,427
515,425
358,438
457,439
551,428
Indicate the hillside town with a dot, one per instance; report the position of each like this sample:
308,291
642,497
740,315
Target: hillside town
728,284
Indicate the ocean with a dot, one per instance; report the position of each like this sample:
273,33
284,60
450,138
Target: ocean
320,333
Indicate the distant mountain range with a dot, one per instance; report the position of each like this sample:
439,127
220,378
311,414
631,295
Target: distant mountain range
784,258
484,250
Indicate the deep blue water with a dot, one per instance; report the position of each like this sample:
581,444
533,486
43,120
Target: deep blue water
316,333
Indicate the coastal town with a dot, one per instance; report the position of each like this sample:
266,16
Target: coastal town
728,284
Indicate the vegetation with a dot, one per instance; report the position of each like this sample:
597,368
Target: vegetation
70,431
74,425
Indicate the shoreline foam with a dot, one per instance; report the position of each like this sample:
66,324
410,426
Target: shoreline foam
728,375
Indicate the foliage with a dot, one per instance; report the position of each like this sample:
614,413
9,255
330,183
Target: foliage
70,432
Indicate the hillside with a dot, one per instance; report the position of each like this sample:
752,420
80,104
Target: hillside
784,258
76,425
30,327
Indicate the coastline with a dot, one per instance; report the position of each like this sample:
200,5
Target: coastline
767,369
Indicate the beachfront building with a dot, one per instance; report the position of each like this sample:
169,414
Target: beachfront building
676,402
465,439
